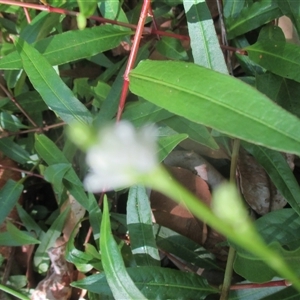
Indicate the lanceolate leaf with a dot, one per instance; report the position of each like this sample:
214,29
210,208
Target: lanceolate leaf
277,168
139,224
254,16
218,101
52,89
9,195
155,283
14,151
21,237
70,46
118,279
204,42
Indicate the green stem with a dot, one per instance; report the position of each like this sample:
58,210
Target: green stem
231,255
160,180
228,274
13,292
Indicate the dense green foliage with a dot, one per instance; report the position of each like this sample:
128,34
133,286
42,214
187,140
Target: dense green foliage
56,76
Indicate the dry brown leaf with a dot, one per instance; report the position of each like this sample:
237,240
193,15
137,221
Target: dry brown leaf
256,186
56,285
77,212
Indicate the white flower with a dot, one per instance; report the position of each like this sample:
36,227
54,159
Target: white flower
121,155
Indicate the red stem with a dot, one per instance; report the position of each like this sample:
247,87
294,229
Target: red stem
27,15
21,171
259,285
132,56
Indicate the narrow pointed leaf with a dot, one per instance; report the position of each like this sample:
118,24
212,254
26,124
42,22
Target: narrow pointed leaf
204,41
9,196
52,89
254,16
14,151
139,224
155,283
28,222
118,279
71,46
20,237
218,101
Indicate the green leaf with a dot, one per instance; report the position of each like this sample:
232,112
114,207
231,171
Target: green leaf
154,283
9,196
95,216
196,132
40,26
281,58
20,237
184,248
52,89
10,122
41,259
281,90
49,152
144,112
118,279
171,48
71,45
14,151
28,221
87,8
280,173
255,269
110,105
80,259
254,16
55,174
232,8
168,143
204,41
200,94
139,224
31,100
112,9
282,226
